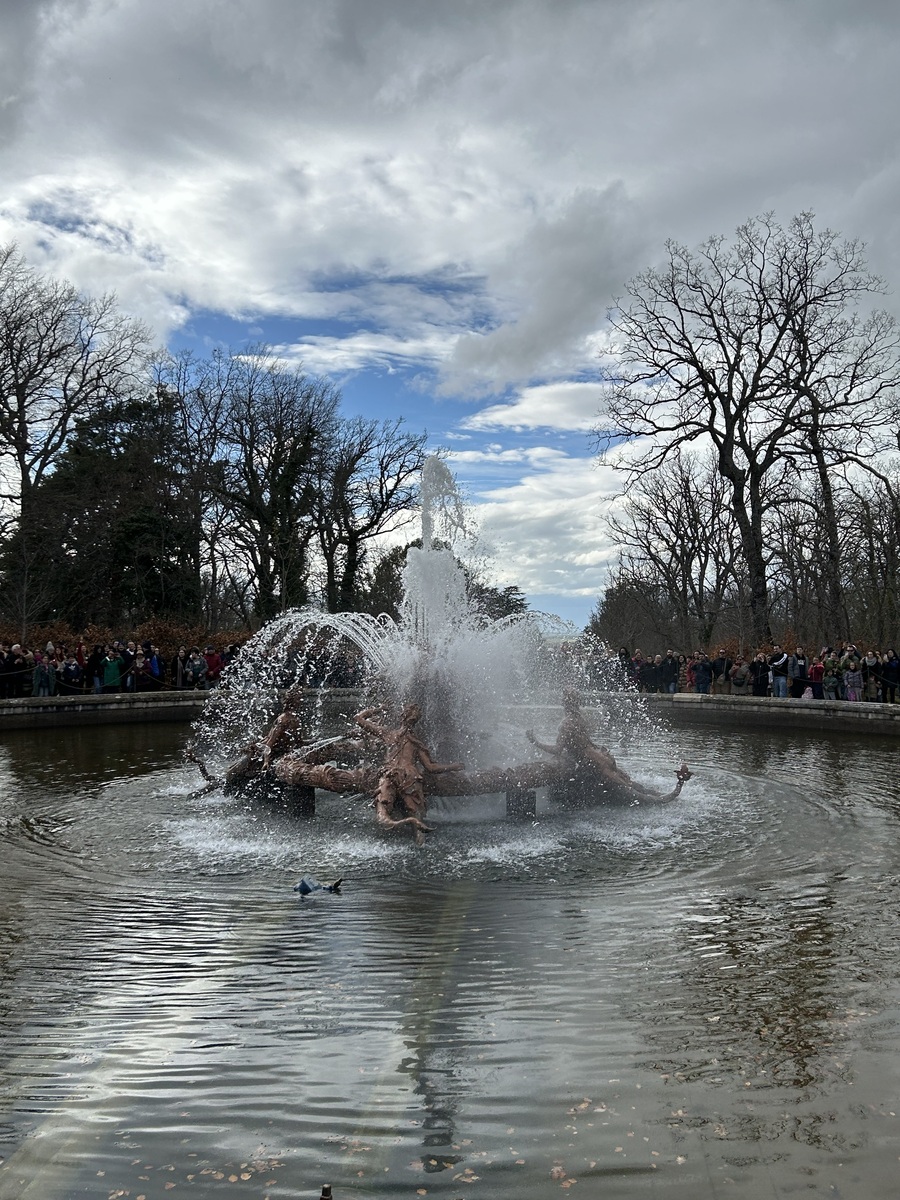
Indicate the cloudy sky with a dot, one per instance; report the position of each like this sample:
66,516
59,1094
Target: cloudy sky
435,201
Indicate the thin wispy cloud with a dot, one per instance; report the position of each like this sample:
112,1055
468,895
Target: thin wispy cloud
569,406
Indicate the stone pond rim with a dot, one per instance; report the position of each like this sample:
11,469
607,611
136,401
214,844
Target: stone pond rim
824,716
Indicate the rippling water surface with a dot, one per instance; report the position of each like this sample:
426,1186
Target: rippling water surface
692,1001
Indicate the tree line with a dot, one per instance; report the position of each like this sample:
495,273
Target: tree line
214,491
753,408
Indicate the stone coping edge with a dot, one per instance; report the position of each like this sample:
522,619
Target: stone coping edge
844,716
859,717
38,712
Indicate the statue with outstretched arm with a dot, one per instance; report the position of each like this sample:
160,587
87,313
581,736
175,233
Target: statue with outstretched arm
401,778
285,734
573,742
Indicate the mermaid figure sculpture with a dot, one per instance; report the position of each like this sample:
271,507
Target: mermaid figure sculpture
594,763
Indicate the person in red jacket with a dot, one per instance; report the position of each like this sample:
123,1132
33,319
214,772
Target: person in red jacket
213,666
815,674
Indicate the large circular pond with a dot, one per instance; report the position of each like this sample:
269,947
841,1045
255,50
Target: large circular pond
693,1001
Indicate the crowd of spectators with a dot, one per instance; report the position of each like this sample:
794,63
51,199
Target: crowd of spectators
835,673
120,666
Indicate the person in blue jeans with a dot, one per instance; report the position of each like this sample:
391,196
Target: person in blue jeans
778,665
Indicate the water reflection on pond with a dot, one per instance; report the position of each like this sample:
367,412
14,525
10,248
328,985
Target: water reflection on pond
697,1001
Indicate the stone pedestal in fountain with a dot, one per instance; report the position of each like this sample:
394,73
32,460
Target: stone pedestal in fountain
521,801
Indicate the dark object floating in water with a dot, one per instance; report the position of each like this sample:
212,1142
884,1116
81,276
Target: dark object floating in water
306,886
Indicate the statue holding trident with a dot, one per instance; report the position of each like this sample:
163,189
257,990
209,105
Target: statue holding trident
401,777
595,763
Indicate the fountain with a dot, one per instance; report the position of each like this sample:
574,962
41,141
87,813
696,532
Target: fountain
460,679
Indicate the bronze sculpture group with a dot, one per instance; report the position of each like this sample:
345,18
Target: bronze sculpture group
399,785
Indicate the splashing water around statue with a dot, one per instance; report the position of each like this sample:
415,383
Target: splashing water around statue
461,675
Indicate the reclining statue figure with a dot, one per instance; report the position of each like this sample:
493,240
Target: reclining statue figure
594,764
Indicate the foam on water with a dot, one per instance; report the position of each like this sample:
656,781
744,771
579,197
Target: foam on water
221,835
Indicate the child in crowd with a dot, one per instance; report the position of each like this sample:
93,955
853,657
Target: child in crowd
853,681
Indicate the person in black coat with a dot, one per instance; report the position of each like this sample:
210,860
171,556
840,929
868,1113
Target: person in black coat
759,674
721,669
703,675
69,677
668,673
890,676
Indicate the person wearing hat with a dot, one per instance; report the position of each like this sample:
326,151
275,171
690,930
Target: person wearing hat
70,676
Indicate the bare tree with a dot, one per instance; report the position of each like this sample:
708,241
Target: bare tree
274,429
676,528
61,356
759,348
871,525
288,493
367,483
200,391
846,369
633,611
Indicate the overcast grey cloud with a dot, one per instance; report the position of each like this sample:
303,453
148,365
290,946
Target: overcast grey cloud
452,188
19,22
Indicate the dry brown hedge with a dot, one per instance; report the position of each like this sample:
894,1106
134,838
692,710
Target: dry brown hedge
168,635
